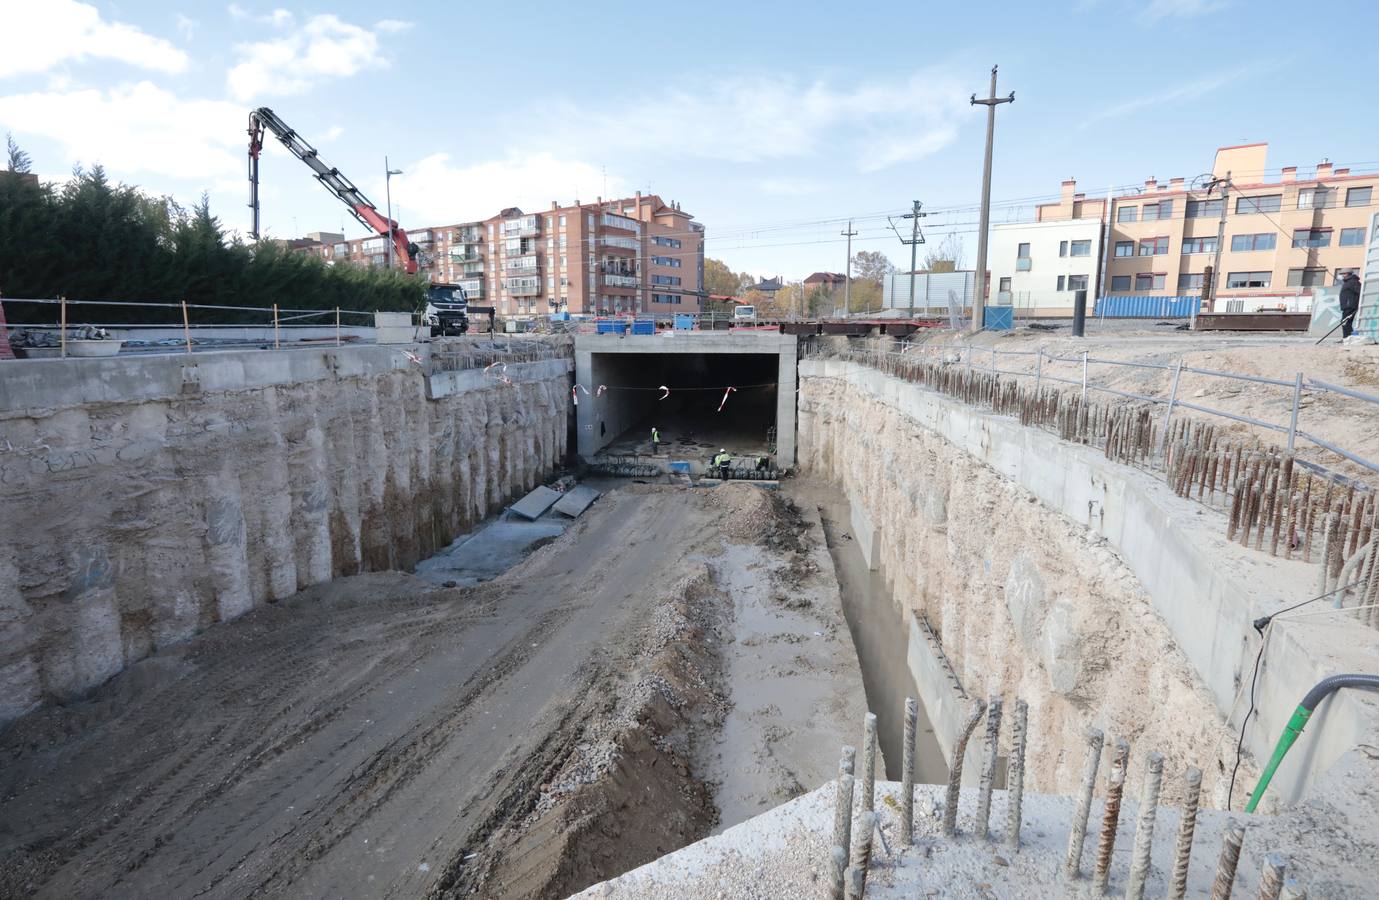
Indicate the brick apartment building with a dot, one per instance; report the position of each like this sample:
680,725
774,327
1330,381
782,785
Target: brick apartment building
1284,236
634,255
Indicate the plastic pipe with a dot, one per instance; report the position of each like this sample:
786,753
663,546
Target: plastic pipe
1298,722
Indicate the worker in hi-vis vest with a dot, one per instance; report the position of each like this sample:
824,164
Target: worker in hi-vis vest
655,440
721,461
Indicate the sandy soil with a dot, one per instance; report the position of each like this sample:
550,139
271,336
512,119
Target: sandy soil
379,736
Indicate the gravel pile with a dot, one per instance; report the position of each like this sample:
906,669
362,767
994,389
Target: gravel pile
748,511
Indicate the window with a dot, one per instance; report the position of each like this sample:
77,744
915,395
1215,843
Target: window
1062,248
1125,248
666,279
1306,277
1266,203
1155,246
1314,198
1161,210
1005,285
1077,282
670,261
1120,282
1204,209
1358,196
1080,248
1199,245
1244,243
1022,251
1249,279
562,221
673,243
1150,281
1128,214
1060,282
1189,281
1352,237
665,298
1311,237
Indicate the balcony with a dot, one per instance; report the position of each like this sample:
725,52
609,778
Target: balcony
621,243
522,287
612,220
527,226
524,265
625,281
1022,264
462,254
473,289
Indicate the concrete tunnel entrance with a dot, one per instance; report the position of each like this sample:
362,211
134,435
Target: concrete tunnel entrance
757,418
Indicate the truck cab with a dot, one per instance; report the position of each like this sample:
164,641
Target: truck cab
745,314
447,309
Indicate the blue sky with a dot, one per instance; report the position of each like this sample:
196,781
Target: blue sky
772,122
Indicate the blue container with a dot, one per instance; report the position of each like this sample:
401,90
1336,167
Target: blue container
560,317
644,326
610,326
999,318
684,322
1139,306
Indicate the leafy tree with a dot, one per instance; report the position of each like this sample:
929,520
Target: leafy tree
871,265
719,279
19,160
91,239
866,296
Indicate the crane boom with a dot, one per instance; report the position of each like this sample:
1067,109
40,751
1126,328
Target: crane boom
360,206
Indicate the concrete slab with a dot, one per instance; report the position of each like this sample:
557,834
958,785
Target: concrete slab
576,501
488,551
536,503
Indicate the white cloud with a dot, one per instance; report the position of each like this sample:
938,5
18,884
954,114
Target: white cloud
186,26
279,18
765,117
135,129
1190,90
435,191
392,26
1157,10
323,47
39,36
332,133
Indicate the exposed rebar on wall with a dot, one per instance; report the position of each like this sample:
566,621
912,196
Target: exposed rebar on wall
1110,817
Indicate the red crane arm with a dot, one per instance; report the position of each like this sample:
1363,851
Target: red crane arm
359,206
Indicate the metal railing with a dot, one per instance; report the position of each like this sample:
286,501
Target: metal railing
970,356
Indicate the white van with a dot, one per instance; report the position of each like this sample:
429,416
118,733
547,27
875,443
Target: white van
745,314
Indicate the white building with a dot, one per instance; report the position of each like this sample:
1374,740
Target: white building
1037,266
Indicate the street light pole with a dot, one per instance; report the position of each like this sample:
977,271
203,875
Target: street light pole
388,189
847,282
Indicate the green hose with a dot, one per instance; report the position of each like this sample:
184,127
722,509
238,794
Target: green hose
1285,740
1299,721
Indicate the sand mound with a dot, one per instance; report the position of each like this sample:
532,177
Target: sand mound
748,513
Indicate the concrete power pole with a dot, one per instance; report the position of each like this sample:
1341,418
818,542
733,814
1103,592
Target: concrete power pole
991,102
1216,259
914,240
847,279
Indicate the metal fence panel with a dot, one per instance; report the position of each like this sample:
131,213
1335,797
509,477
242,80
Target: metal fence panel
1143,306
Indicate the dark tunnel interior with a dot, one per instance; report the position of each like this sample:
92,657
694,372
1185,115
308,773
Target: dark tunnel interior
690,422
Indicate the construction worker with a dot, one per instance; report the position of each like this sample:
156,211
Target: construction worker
655,441
722,461
763,463
1350,303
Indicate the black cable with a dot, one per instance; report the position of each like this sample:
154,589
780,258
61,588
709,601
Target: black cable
1261,625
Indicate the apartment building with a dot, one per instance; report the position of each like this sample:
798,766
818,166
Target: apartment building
1283,236
1037,267
634,255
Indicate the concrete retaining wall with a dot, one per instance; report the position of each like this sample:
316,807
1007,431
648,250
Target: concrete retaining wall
1204,592
146,498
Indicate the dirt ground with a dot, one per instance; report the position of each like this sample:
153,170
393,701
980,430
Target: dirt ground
378,736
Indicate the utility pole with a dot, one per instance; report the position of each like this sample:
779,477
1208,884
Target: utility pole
1216,259
991,102
915,239
847,279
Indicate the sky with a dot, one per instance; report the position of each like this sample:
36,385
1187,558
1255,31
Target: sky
774,123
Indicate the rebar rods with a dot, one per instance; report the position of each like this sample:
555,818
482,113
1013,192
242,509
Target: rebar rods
907,775
869,763
1144,826
1182,853
1230,858
1110,818
950,809
1271,879
856,879
1078,833
1015,774
988,777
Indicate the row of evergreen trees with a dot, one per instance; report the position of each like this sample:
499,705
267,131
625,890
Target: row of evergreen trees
91,239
